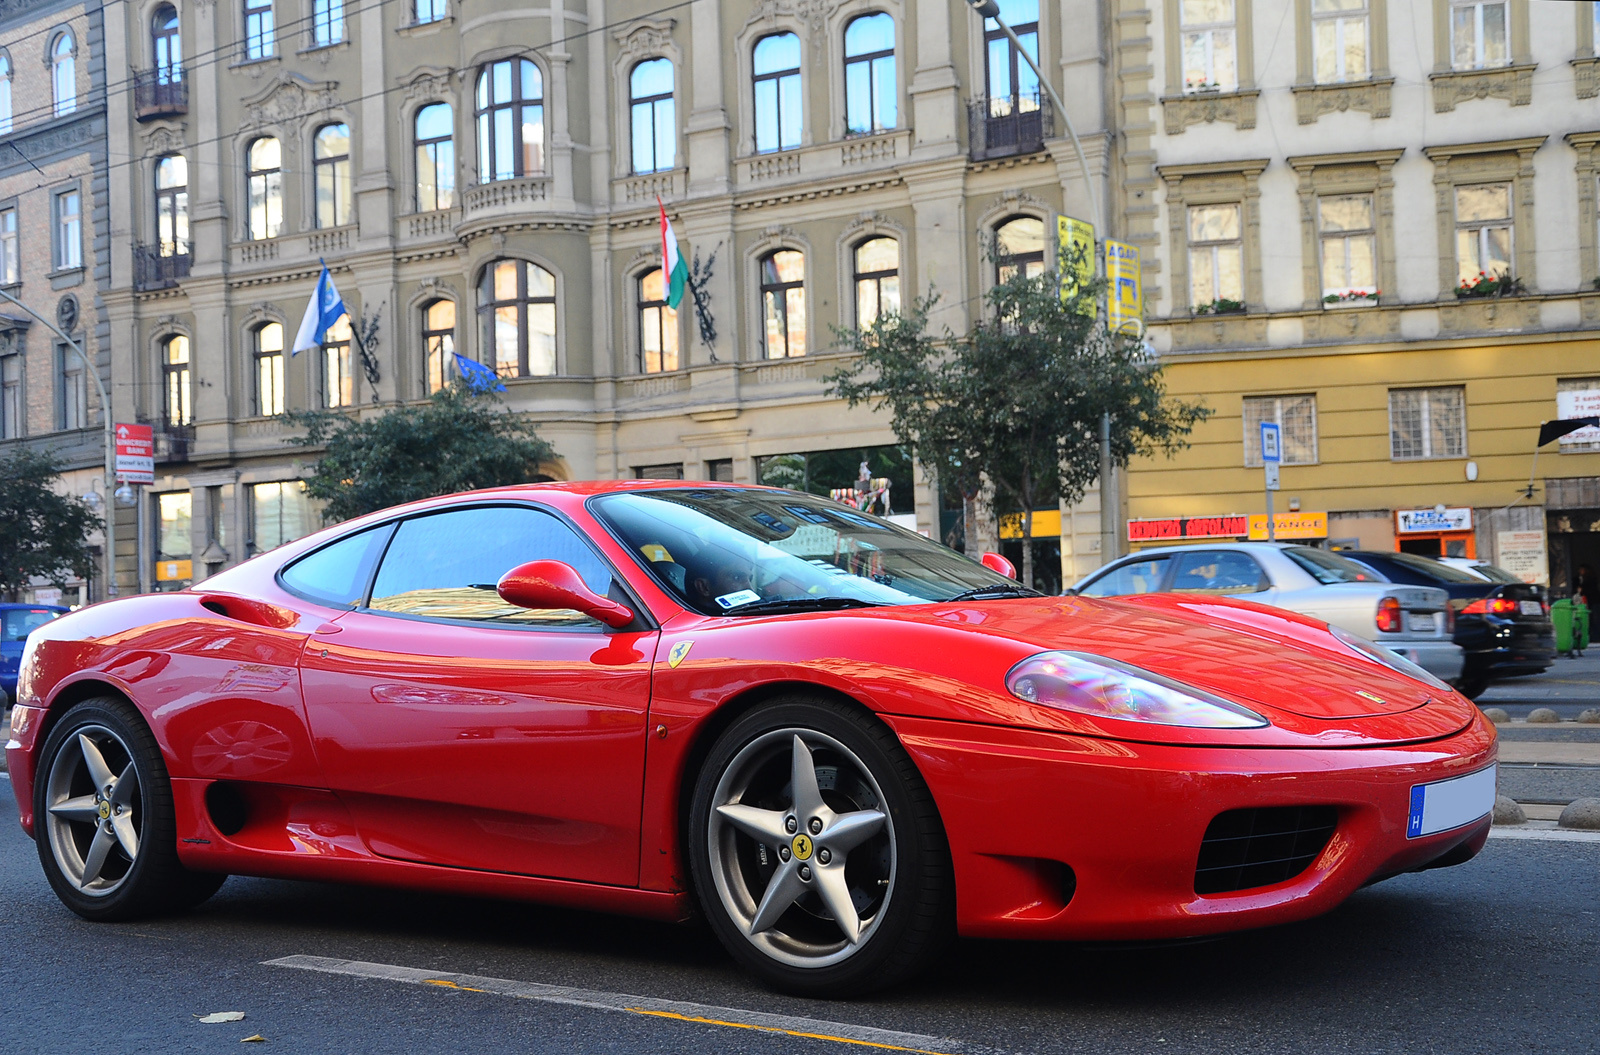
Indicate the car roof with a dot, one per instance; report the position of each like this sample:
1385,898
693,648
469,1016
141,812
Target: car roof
1246,547
4,605
600,487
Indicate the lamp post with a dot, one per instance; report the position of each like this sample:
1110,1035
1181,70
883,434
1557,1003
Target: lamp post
1108,515
111,461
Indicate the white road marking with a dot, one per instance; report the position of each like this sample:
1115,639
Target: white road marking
704,1014
1554,835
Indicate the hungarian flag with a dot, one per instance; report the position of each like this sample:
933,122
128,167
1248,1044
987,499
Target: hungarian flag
671,262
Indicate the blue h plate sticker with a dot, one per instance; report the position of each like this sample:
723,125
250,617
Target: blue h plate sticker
1447,804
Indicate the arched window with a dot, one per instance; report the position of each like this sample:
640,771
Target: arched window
338,372
783,302
267,342
1019,248
327,22
510,121
436,158
869,85
330,157
64,75
5,93
877,273
1012,86
264,176
178,407
259,35
779,109
655,140
172,205
165,45
658,325
438,341
517,310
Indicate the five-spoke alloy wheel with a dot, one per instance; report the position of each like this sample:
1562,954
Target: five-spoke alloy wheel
103,817
817,854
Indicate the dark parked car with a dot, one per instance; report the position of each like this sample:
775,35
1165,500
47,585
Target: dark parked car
17,621
1503,627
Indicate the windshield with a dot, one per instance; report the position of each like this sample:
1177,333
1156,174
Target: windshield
1494,574
1328,568
18,623
722,549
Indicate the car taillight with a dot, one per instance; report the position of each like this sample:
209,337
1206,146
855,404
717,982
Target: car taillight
1491,606
1389,615
1449,620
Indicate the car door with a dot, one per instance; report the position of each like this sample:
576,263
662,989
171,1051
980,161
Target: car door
1220,573
466,732
1140,575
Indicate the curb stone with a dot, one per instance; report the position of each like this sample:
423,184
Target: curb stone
1542,715
1497,715
1590,716
1581,813
1508,811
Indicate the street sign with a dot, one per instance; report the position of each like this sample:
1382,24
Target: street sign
136,461
1272,476
1125,301
1271,456
1075,251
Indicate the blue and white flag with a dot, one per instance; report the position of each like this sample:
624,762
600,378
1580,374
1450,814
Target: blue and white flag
477,376
323,311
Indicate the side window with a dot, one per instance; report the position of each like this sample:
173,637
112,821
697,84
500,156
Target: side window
337,575
1140,576
1218,572
445,566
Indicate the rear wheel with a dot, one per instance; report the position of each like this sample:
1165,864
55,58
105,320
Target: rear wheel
817,852
104,822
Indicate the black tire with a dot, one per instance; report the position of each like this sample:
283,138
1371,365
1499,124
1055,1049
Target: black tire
898,935
152,881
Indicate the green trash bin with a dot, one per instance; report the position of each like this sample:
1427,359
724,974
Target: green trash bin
1561,619
1580,627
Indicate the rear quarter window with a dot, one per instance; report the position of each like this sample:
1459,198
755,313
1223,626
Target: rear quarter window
337,574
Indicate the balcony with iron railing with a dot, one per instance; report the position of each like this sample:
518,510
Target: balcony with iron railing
159,266
159,93
1004,126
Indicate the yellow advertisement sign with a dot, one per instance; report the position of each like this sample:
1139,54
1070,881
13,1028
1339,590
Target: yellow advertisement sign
1289,526
174,570
1125,295
1046,524
1075,253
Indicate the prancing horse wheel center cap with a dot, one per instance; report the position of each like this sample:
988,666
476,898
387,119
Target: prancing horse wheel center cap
801,847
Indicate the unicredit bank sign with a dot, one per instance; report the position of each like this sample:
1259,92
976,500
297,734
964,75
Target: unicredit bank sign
1161,529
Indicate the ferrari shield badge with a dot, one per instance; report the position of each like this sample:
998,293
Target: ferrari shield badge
679,653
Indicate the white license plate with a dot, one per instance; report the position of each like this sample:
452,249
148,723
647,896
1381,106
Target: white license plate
1532,608
1447,804
1421,622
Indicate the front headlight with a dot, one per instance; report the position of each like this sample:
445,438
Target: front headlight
1104,688
1378,654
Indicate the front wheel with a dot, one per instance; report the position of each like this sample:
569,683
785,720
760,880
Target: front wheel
817,852
104,821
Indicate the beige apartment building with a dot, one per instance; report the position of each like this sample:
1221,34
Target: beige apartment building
1375,224
483,180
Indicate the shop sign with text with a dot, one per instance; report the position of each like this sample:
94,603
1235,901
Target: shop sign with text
1162,529
1289,526
1427,521
1523,554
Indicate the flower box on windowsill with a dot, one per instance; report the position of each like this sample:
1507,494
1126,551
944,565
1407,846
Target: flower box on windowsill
1352,298
1221,306
1486,285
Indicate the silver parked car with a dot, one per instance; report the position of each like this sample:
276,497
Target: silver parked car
1413,621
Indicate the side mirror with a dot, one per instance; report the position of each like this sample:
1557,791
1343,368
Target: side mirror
996,563
553,584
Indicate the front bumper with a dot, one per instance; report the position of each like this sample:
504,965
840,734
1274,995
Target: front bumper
1063,837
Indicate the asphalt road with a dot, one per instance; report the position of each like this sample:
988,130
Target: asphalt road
1502,954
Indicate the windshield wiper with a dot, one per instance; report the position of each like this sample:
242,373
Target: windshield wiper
798,604
985,593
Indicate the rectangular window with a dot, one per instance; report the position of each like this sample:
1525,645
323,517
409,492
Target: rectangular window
658,472
69,230
1427,423
338,376
430,10
1210,42
1296,415
1483,231
1216,256
279,513
1339,41
1349,253
10,397
720,470
73,391
174,542
259,37
10,255
1479,34
327,22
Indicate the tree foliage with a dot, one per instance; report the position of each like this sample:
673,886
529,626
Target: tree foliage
457,441
1017,400
43,534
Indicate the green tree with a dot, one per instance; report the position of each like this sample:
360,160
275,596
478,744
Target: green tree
457,441
43,534
1018,400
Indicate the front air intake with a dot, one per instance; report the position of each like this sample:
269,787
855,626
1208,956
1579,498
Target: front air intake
1245,849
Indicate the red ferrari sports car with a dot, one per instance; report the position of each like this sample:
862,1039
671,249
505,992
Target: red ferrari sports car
838,741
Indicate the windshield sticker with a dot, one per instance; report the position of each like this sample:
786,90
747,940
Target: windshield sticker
654,552
733,600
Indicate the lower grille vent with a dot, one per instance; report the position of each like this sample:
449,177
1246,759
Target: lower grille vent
1243,849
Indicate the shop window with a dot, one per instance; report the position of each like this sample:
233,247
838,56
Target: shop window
673,471
174,543
720,470
1297,418
1427,423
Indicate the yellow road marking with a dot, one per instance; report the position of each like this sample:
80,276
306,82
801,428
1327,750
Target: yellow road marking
447,984
775,1029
